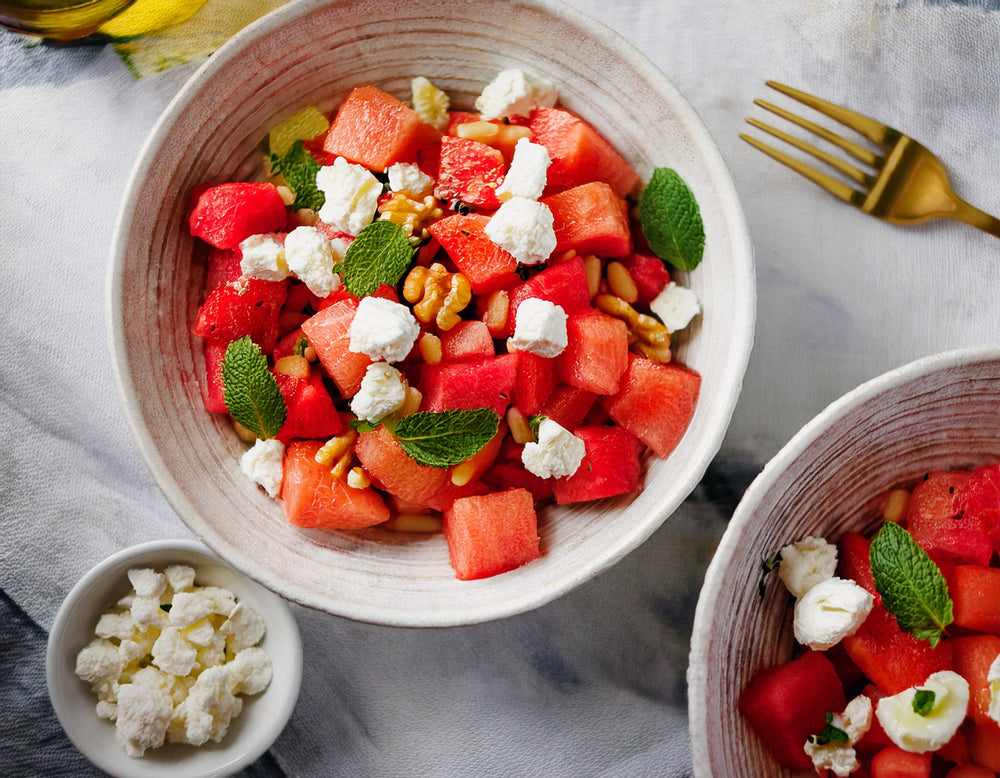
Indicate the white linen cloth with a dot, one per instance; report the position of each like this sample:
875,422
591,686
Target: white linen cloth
593,684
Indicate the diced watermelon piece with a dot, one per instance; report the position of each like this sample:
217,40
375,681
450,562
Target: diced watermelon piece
984,744
313,497
875,738
486,383
955,750
311,412
650,275
970,771
374,129
328,332
223,267
286,344
248,306
487,266
213,390
787,703
536,378
491,533
509,474
469,172
610,466
579,153
226,214
396,471
655,402
979,500
591,219
300,298
467,340
568,405
596,356
893,762
975,597
854,562
934,525
973,655
564,284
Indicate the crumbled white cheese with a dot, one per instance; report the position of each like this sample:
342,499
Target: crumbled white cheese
524,228
210,706
250,671
223,600
99,662
430,103
263,256
179,577
146,612
147,583
262,463
173,654
675,306
200,633
409,179
186,608
515,93
244,627
557,453
829,611
143,715
311,256
807,562
919,733
528,171
540,328
993,679
382,392
351,196
115,625
837,756
383,329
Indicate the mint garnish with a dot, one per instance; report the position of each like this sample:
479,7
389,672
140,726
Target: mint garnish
446,438
923,702
252,395
298,169
379,255
671,220
911,585
829,734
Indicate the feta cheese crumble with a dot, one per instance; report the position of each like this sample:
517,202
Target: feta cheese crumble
829,611
806,563
263,256
540,328
557,453
515,93
409,179
917,732
838,757
262,464
675,306
430,103
524,228
351,195
383,329
310,255
382,392
528,172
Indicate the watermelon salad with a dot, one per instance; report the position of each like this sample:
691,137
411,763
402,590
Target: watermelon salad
437,320
898,670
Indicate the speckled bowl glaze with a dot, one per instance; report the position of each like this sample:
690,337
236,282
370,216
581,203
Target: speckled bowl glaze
939,412
251,733
313,53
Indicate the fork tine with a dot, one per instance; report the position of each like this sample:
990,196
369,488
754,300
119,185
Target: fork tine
871,129
838,164
866,156
830,184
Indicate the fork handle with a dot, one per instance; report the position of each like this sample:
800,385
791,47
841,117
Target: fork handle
972,215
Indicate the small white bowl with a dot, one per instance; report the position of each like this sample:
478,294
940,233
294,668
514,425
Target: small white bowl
939,412
251,733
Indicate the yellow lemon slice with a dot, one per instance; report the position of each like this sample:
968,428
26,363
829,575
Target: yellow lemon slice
145,16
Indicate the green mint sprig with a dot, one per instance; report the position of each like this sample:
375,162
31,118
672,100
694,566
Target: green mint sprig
441,438
299,171
829,733
923,702
251,394
671,220
911,585
380,254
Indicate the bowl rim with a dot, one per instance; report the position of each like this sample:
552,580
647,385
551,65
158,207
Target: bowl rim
745,514
743,312
279,620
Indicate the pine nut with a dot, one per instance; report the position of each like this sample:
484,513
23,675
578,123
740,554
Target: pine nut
357,478
496,311
484,132
293,365
620,282
592,267
414,522
896,505
430,348
517,422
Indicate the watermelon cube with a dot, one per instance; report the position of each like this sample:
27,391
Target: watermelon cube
610,467
568,405
223,268
564,284
596,356
374,129
392,469
946,536
591,219
650,275
311,412
213,389
979,500
975,597
579,153
972,656
247,306
467,340
655,402
984,744
491,533
893,762
484,383
312,497
226,214
469,172
328,332
787,703
487,266
536,378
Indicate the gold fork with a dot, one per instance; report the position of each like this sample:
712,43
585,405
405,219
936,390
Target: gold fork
908,183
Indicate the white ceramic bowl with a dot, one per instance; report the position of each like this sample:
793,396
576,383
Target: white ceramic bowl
940,412
251,733
314,52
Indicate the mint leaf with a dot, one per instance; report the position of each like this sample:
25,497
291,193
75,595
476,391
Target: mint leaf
829,734
379,255
299,171
911,585
671,220
252,395
446,438
923,702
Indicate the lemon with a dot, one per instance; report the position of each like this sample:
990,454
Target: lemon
145,16
306,124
